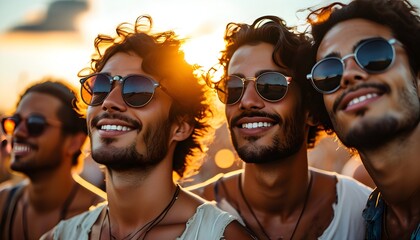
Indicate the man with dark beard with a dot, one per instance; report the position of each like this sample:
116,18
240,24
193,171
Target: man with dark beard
47,134
368,71
276,195
148,116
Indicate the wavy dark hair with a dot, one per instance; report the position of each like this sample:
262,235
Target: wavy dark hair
290,51
163,59
399,15
68,113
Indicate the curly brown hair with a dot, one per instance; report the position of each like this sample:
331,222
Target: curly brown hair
163,59
399,15
290,48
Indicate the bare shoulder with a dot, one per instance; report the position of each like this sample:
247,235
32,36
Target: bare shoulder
236,231
206,188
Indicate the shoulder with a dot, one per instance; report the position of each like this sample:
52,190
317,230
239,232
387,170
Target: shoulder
349,202
77,226
209,222
9,192
347,185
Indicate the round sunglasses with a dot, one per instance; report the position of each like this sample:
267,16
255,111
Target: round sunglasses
35,124
373,55
137,90
270,86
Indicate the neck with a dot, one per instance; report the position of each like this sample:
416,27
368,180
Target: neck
130,201
43,194
282,185
394,168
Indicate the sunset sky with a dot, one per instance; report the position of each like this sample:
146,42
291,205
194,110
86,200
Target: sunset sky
30,48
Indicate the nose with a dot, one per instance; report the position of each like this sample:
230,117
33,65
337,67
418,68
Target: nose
352,73
114,101
20,129
250,98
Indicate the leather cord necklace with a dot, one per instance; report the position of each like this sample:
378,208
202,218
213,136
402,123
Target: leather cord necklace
148,226
308,191
63,211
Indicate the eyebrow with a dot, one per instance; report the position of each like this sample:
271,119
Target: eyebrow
258,73
338,55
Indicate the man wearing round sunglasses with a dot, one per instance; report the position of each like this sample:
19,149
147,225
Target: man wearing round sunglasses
368,70
148,119
47,135
268,112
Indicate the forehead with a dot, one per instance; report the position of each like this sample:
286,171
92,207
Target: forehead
249,59
41,103
345,35
123,64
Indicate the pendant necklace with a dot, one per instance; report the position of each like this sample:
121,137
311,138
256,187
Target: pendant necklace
308,191
148,226
63,211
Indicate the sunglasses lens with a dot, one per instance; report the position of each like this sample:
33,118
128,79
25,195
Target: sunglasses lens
375,55
9,124
35,125
230,90
272,86
95,89
326,75
138,90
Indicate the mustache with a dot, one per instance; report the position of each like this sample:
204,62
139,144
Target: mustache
275,117
121,117
380,87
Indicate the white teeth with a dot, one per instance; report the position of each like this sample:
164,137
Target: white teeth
115,128
362,98
21,148
256,125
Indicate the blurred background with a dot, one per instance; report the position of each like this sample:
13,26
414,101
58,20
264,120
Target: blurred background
41,38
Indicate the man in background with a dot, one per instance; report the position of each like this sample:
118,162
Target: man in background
47,134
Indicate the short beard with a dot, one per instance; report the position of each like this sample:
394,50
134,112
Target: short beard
33,167
129,159
281,148
377,133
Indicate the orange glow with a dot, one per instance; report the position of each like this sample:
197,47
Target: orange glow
9,126
203,50
224,158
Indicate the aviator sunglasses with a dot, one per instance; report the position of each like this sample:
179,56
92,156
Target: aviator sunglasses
35,124
270,86
373,55
137,90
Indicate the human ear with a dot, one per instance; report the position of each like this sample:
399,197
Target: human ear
182,130
312,119
76,142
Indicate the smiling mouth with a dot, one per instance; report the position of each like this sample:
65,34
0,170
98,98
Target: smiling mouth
19,148
115,128
254,125
362,98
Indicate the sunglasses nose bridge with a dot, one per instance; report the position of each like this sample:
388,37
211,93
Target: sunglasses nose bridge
114,99
250,96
